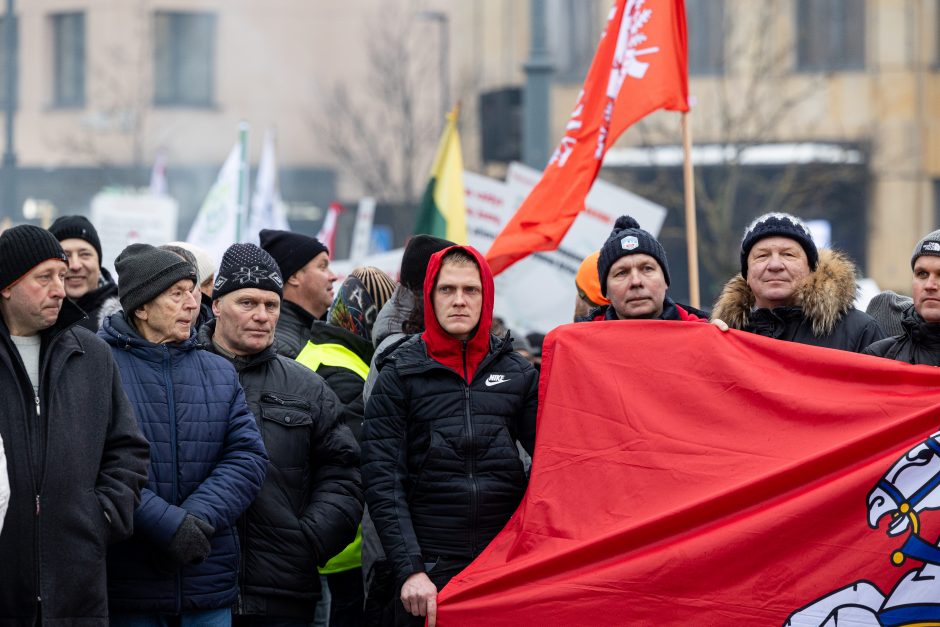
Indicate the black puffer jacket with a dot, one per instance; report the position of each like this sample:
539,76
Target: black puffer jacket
439,457
311,501
293,329
824,316
918,344
439,460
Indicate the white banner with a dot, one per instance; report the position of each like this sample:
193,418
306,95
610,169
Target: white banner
122,219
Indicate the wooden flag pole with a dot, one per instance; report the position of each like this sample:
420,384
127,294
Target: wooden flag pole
691,230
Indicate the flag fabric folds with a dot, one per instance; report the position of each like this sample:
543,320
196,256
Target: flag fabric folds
640,66
683,476
267,209
327,233
442,212
216,225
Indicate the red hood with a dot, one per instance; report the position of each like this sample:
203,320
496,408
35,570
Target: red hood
444,348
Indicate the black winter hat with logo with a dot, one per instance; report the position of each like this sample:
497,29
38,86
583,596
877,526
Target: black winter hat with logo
627,238
246,265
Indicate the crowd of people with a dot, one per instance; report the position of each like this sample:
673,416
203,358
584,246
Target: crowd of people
200,445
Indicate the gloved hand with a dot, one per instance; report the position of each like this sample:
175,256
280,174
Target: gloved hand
190,543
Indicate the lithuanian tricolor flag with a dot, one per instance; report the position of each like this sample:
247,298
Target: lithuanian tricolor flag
443,212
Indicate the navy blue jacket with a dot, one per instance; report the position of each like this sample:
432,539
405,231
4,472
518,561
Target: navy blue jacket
206,458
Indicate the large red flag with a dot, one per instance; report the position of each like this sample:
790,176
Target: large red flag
640,66
683,476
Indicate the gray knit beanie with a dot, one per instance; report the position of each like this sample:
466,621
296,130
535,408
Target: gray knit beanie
144,272
929,245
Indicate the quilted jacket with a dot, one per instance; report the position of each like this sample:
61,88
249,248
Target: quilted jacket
206,459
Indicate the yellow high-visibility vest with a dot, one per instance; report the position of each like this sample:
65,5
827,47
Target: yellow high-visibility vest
338,356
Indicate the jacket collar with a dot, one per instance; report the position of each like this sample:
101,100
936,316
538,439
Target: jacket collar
671,311
920,331
293,310
826,295
444,348
117,331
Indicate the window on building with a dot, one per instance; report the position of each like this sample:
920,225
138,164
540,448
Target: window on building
184,59
5,53
68,58
706,27
830,35
574,29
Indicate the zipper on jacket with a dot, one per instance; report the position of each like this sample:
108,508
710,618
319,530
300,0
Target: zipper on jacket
171,411
267,397
38,527
473,482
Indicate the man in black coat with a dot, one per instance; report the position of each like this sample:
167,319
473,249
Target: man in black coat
439,458
919,340
788,290
76,458
311,502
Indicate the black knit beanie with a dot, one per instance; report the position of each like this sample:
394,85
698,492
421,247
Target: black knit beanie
780,225
291,251
246,265
415,259
628,238
144,272
78,227
24,247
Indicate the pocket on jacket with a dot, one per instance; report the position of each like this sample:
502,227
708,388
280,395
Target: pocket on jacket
285,422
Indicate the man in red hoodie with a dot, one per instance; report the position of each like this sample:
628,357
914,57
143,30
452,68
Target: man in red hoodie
439,458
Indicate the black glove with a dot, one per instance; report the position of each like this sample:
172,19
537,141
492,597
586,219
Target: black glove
190,543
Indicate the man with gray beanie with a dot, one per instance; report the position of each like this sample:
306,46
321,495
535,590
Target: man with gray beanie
308,286
790,291
634,276
207,457
76,458
87,283
311,501
919,340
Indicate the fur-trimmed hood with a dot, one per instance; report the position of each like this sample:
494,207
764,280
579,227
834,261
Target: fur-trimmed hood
825,295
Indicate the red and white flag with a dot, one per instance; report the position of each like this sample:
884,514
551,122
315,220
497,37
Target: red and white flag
684,476
640,66
327,234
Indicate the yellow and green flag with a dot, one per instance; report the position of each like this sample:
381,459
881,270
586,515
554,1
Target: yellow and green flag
443,212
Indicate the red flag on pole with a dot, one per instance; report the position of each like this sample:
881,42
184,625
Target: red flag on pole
640,66
717,479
